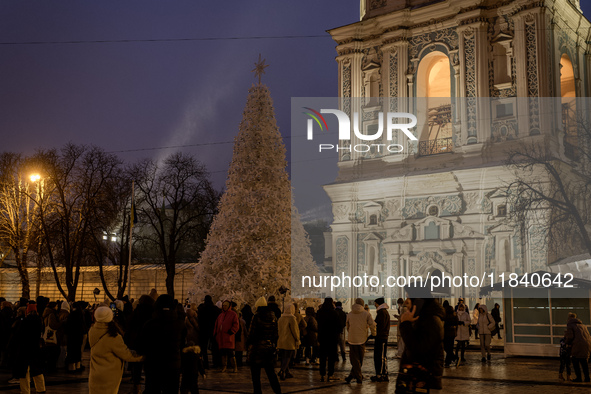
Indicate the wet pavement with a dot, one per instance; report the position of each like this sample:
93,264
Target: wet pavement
502,375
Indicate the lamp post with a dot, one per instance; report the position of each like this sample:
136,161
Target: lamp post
36,178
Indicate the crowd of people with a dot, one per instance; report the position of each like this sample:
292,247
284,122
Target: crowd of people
173,344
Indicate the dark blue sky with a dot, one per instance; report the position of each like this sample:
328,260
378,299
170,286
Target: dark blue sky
129,96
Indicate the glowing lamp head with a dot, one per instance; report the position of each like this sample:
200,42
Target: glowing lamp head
35,177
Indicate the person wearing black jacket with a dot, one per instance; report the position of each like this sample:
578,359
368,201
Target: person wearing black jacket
25,347
381,342
343,318
496,314
142,313
450,324
421,328
272,305
207,314
161,341
262,343
329,328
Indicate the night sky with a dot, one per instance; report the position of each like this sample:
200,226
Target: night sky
132,97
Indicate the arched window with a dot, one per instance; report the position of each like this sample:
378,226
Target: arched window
568,101
434,84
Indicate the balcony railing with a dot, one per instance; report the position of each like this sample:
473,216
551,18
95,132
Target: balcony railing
435,147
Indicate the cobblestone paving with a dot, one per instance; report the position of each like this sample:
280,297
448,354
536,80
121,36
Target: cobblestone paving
502,375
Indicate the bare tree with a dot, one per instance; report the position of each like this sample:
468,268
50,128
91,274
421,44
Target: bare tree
551,187
18,230
79,188
175,206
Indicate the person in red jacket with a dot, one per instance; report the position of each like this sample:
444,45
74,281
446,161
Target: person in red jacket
226,326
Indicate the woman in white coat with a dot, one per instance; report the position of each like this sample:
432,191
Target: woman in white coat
107,354
463,332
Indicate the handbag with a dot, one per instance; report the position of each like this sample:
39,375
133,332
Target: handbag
49,336
413,378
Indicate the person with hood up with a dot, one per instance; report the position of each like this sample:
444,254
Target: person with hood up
262,342
463,332
486,324
26,347
108,353
358,322
329,327
577,336
421,328
63,314
381,342
289,340
226,326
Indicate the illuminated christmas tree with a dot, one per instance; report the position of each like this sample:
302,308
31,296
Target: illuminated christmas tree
248,250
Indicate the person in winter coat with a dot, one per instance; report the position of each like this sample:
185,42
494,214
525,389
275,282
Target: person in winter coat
421,328
141,314
226,326
302,328
329,327
6,321
191,367
565,358
338,306
577,336
63,314
25,346
240,340
161,341
247,314
274,307
75,331
485,325
449,332
381,342
496,314
108,353
475,314
463,332
311,337
192,324
289,340
358,322
51,350
207,313
261,342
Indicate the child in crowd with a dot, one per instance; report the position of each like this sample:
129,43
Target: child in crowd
565,351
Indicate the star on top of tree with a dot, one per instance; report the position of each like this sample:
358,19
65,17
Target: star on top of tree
259,69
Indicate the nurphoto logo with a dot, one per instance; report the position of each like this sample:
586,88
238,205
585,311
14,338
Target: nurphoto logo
392,120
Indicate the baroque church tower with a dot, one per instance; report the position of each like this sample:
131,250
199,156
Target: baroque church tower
478,74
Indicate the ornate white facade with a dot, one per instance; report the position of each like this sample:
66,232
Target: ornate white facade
438,206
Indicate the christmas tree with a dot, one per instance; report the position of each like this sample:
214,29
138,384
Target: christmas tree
302,262
247,252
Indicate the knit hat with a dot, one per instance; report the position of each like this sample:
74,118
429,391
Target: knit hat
260,302
103,314
119,304
31,308
380,301
65,306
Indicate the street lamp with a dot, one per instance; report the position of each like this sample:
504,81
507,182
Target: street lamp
36,178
